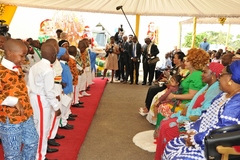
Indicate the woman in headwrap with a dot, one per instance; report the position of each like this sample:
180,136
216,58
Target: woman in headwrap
169,129
224,111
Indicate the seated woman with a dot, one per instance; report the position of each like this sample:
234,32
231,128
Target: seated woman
168,128
153,90
195,61
224,111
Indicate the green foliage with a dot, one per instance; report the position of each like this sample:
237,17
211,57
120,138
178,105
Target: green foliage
218,38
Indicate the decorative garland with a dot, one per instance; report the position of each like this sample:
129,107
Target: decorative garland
222,20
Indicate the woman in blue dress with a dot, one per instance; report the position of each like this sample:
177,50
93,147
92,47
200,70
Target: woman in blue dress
224,111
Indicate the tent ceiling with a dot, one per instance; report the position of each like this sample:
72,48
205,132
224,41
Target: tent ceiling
199,8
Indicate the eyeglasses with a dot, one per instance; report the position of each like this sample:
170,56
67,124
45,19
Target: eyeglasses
222,74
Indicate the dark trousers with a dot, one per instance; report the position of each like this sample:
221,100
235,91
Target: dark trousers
117,72
124,69
148,71
134,65
152,91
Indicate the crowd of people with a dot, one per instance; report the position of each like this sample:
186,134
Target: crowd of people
185,111
124,55
40,83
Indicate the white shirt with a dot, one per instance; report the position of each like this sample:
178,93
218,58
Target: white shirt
134,49
41,82
57,68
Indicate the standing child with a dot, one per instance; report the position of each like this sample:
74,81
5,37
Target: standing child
58,92
16,122
74,70
42,96
67,86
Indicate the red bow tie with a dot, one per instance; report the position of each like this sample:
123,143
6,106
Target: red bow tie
51,65
16,67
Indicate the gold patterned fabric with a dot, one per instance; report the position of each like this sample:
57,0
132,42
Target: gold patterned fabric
13,84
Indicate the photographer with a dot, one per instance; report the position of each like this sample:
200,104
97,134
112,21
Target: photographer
111,63
118,35
124,59
118,40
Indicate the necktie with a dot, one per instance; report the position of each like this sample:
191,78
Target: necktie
51,65
133,54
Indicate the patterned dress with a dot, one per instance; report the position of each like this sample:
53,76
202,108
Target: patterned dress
219,114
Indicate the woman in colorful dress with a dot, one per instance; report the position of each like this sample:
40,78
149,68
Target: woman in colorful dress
169,129
224,111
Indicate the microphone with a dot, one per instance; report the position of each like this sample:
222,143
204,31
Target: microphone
119,7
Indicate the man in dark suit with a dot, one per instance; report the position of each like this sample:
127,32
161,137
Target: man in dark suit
124,59
150,51
135,52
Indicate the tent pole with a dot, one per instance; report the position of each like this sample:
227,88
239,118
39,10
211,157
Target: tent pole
194,31
137,25
179,34
228,34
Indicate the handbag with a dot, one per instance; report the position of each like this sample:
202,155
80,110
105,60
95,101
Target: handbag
227,136
153,61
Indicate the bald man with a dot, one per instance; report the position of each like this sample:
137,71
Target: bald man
16,121
42,96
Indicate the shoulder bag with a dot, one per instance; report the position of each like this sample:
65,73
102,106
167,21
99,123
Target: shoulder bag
227,136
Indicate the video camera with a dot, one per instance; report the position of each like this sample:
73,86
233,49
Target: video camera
121,28
3,28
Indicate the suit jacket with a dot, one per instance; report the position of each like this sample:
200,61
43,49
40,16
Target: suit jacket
154,51
138,51
125,53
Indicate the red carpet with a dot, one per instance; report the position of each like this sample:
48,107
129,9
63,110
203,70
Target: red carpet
73,140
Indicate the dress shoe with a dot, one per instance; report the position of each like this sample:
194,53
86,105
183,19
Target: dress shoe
131,83
136,83
72,115
70,125
51,150
143,83
149,83
52,142
80,102
67,127
77,105
58,136
71,119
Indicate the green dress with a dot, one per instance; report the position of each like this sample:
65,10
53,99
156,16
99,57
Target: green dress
193,81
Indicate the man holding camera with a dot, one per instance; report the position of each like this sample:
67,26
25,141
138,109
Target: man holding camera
124,59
